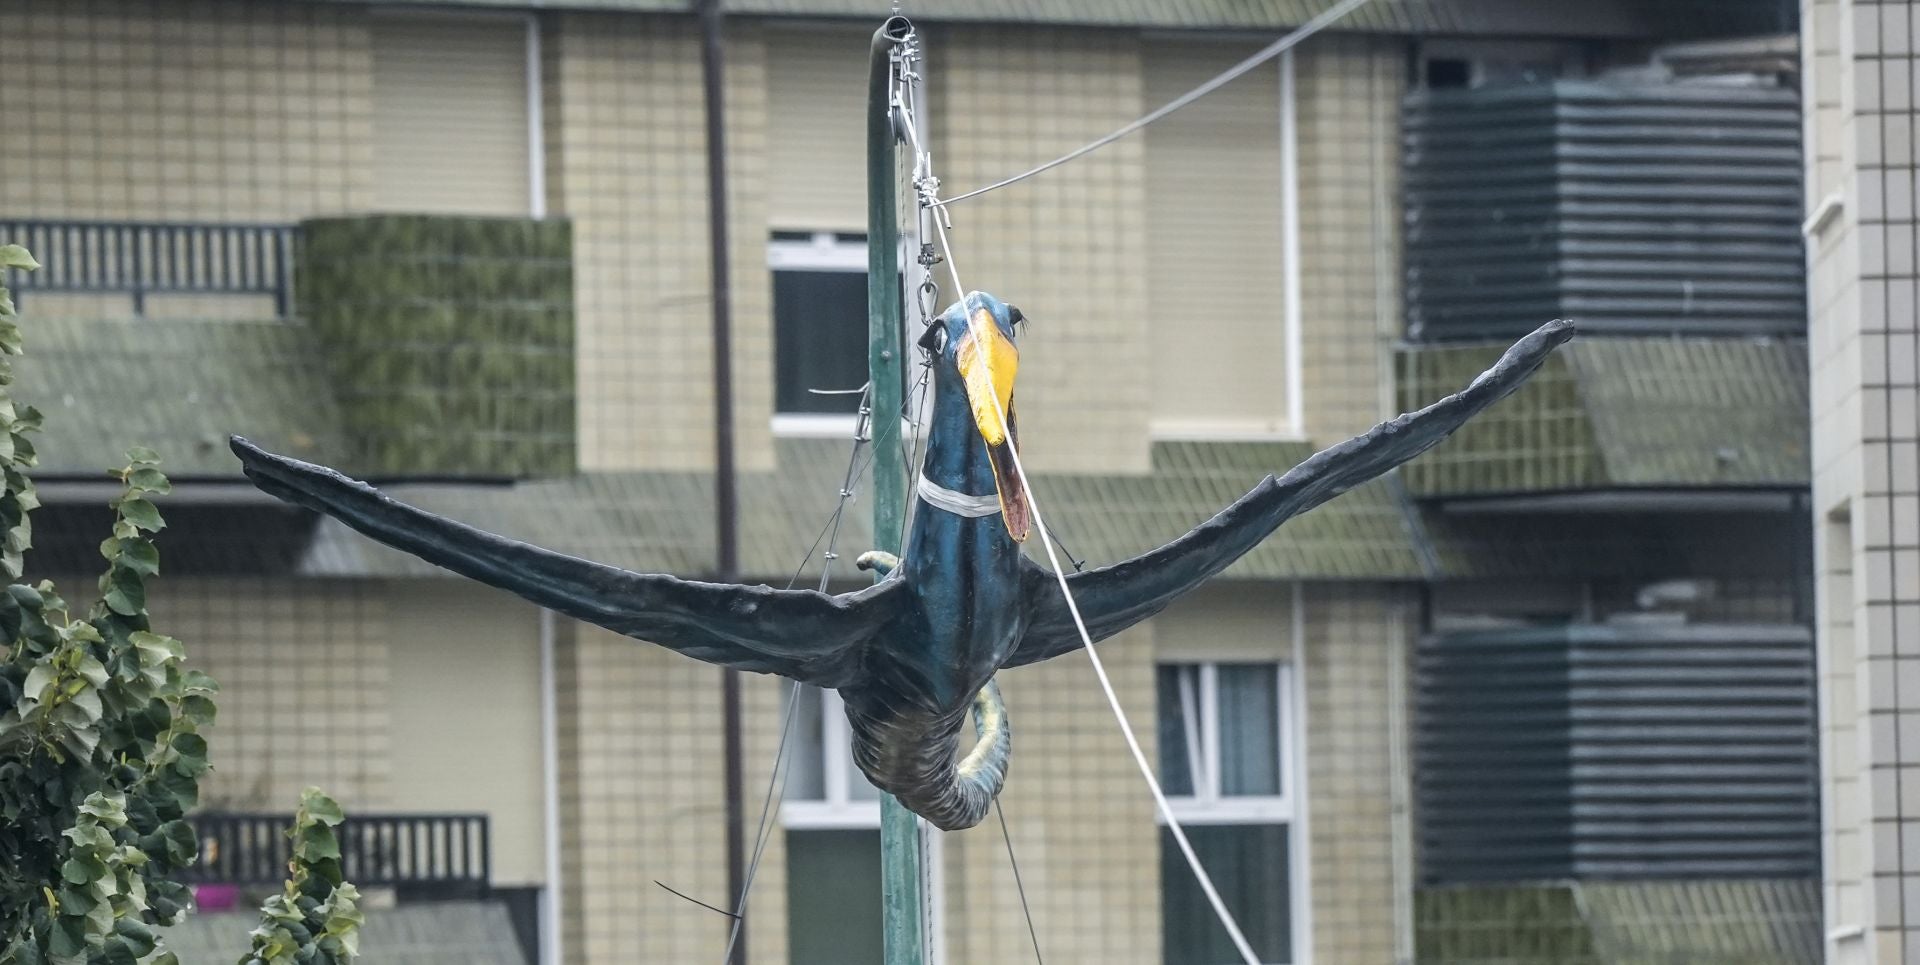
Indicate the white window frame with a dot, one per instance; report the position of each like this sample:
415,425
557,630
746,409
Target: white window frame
1207,805
823,251
837,810
826,251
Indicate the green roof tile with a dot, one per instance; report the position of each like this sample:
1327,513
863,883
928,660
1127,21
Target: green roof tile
1619,18
663,522
1623,412
178,387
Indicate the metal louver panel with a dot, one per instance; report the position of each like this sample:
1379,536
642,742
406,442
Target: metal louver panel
1214,265
1625,207
450,115
1616,751
817,130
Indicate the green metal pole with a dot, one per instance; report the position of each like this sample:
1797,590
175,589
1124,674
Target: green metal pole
900,844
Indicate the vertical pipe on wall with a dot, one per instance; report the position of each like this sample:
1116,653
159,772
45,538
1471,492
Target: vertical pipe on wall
536,123
1290,246
1300,850
1400,768
725,491
551,947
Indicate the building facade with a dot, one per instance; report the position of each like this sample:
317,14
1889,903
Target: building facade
1860,238
463,249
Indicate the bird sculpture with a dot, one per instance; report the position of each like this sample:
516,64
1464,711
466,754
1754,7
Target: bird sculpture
914,652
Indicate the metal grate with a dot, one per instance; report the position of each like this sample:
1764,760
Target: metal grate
1645,208
152,257
1617,751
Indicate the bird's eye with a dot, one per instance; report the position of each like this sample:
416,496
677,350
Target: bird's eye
935,339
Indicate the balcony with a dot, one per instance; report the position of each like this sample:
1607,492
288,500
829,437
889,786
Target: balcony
445,344
419,855
142,258
1631,208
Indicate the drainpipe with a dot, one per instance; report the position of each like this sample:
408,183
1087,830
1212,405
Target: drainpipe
551,948
725,491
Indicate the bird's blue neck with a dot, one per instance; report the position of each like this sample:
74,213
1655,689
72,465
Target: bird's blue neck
956,455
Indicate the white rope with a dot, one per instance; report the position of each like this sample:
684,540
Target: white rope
1325,19
927,184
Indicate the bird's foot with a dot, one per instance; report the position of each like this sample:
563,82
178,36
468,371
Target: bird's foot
877,561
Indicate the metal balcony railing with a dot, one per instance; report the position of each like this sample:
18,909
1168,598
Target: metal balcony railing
444,852
139,258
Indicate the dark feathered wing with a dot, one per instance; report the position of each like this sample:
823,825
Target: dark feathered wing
801,634
1116,597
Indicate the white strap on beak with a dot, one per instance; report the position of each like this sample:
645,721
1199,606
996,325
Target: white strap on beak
959,504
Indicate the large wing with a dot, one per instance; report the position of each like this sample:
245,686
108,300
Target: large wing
1116,597
802,634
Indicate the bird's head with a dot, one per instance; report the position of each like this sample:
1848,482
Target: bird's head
972,343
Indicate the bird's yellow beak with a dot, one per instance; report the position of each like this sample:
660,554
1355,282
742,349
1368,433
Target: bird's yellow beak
988,362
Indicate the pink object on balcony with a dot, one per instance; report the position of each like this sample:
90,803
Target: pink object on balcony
216,897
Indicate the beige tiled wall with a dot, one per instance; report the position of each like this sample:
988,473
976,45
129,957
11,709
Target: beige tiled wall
304,672
1859,61
641,799
1348,91
626,137
215,110
1357,650
1068,246
1081,821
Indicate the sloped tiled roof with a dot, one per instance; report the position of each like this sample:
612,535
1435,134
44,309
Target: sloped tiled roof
1620,18
663,522
1623,412
426,933
1653,413
1699,922
177,387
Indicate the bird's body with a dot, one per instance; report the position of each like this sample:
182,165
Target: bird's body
913,653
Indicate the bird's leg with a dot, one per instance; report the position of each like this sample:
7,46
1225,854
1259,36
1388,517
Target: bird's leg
877,561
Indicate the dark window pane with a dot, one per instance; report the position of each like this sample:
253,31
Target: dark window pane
1248,864
1444,73
1249,729
1179,748
833,897
819,339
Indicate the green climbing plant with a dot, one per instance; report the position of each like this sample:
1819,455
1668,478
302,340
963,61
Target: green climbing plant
101,753
317,918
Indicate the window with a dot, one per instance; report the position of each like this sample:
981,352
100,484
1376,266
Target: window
1225,761
824,788
819,331
819,322
832,817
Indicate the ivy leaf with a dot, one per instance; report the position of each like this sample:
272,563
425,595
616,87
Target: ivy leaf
150,479
317,843
39,679
321,808
155,649
126,596
138,555
192,749
14,256
143,456
142,514
197,708
177,842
